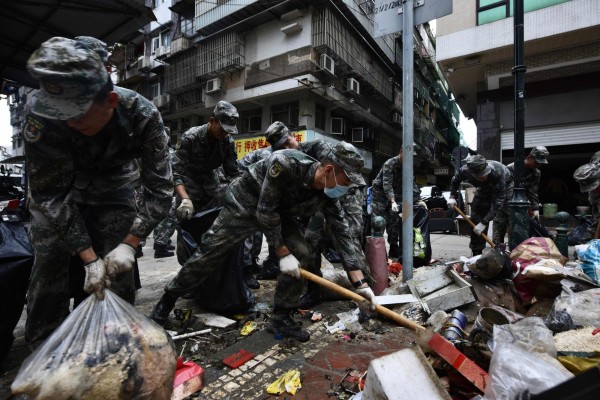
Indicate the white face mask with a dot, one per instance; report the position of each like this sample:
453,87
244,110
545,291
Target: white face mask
337,191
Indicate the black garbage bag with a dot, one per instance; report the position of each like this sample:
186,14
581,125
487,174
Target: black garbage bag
578,235
16,260
421,221
536,229
224,291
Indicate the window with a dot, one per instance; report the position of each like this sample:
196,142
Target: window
154,90
186,26
165,38
320,117
494,10
337,126
288,113
155,44
251,120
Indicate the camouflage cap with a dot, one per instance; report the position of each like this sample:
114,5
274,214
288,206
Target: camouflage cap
540,154
95,44
477,165
346,156
227,115
588,177
277,134
70,75
596,158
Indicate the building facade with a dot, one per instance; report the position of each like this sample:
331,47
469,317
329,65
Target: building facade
562,90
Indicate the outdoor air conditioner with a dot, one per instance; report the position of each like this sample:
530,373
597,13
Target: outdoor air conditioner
213,85
161,100
144,64
327,63
162,51
337,126
358,135
353,85
396,118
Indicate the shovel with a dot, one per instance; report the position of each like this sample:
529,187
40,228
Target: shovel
483,235
386,312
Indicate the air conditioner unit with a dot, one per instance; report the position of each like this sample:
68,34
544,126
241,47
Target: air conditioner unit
353,85
337,126
327,63
162,51
213,85
396,118
161,100
358,135
143,63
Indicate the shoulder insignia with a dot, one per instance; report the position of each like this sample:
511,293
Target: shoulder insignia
275,169
34,129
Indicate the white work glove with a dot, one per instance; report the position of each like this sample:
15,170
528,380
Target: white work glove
479,228
290,265
185,209
95,278
421,203
451,203
368,294
395,207
536,214
119,260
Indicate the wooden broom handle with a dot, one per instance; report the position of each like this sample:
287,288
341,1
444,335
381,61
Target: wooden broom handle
483,235
386,312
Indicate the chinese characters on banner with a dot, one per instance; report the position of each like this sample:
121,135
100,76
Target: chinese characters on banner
248,145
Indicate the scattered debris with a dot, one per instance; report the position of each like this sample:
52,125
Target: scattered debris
248,328
215,320
188,379
288,382
191,334
235,360
354,381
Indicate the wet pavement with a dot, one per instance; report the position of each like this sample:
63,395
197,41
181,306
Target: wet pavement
322,362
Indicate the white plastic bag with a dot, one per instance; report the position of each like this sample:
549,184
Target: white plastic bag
105,350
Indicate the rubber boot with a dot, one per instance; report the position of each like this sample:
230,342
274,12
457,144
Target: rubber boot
163,308
283,323
161,251
250,279
312,297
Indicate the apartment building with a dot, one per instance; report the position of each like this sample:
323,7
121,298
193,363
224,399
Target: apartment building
313,65
562,90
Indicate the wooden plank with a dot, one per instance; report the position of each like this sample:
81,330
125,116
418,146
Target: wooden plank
429,281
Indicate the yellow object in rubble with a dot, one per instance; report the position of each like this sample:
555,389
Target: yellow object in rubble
248,328
288,382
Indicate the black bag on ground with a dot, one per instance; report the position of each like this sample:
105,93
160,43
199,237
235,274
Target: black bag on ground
421,221
224,291
536,229
16,260
577,235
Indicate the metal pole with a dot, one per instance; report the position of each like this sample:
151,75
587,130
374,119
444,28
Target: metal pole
518,205
407,140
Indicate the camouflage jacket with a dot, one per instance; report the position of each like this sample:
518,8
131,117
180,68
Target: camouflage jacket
281,186
254,157
388,183
66,168
197,157
531,183
494,188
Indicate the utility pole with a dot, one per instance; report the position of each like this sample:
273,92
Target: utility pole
519,205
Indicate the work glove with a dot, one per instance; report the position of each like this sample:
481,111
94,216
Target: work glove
451,203
421,203
395,207
536,215
185,209
119,260
290,265
479,228
96,279
368,294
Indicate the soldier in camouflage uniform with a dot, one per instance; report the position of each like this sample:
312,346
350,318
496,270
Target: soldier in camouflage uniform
588,177
537,157
271,197
386,195
81,138
201,151
494,184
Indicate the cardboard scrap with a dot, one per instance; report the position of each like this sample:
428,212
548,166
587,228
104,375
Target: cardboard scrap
215,320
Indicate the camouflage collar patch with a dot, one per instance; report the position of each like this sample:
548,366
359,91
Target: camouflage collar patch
34,129
275,169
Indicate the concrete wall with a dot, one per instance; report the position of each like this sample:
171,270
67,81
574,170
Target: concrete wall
268,41
463,17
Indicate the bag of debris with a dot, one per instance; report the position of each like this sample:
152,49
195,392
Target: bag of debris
105,349
590,258
573,310
493,264
578,235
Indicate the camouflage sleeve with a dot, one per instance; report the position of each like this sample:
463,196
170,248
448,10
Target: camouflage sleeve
388,180
499,193
181,158
352,206
533,189
340,234
455,183
156,177
230,165
54,214
280,174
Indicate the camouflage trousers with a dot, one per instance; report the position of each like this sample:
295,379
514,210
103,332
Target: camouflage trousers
501,219
252,248
233,225
58,275
383,208
166,228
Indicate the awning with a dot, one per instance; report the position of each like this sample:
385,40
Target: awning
25,24
13,160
